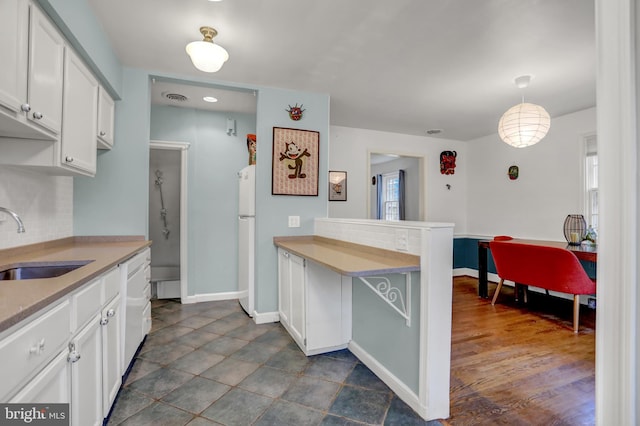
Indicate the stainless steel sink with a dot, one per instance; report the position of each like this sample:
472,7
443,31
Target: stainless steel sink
30,271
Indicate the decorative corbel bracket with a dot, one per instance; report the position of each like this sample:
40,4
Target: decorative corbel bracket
392,296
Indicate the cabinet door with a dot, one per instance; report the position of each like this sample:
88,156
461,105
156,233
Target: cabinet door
86,375
106,120
14,32
51,385
284,286
45,76
80,106
297,319
111,369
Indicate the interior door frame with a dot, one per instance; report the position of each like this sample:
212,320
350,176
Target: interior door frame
422,160
183,147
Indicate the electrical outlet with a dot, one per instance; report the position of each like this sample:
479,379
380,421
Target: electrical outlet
402,239
591,302
294,221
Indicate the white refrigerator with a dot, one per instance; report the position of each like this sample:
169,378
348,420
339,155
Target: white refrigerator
246,237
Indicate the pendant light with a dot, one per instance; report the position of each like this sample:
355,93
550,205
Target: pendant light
205,55
524,124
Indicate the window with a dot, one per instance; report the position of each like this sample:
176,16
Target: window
591,182
391,196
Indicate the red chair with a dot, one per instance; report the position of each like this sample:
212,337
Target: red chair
550,268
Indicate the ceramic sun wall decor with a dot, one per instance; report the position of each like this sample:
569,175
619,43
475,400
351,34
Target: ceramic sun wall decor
295,112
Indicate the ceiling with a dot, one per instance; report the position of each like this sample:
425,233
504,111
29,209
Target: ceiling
404,66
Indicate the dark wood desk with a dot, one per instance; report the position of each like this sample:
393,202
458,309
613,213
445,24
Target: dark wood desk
582,252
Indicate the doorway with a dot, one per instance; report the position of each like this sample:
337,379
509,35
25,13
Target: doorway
168,218
384,195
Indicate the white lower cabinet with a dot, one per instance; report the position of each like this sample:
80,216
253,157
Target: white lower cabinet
111,345
50,386
85,357
314,304
71,352
298,284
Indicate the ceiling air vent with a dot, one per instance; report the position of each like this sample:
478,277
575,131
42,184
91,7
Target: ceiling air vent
176,97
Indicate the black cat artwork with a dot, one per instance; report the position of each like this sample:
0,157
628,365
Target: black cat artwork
292,152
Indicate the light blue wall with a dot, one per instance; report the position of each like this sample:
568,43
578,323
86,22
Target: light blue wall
115,201
80,26
272,211
214,159
383,333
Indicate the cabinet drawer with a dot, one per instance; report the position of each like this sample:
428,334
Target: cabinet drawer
147,292
111,284
87,302
23,352
138,261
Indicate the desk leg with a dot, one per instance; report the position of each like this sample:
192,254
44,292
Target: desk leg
483,290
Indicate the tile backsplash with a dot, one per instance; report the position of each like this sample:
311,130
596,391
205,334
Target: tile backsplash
43,202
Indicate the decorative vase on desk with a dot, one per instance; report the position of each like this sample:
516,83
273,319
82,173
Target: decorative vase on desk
575,228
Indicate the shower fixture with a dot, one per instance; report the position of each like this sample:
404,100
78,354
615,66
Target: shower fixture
163,211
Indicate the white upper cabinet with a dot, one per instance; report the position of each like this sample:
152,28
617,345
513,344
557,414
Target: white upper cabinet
45,76
80,104
106,120
14,42
31,75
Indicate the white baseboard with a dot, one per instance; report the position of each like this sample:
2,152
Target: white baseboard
211,297
265,317
404,393
461,272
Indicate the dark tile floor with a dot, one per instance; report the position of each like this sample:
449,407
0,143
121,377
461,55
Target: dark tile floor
210,364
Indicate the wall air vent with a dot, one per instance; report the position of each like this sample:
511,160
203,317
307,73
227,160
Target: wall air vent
176,97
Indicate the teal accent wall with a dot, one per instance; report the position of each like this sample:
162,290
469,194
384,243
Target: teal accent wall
383,333
214,158
272,211
115,201
76,21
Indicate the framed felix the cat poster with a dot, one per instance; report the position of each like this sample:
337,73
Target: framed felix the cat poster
295,162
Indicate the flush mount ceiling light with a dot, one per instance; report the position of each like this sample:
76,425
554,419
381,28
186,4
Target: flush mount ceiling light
205,55
524,124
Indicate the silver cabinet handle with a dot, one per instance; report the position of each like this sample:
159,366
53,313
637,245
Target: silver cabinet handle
25,107
37,115
111,313
104,321
73,356
68,159
102,133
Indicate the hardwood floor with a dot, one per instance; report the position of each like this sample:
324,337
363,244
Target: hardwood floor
520,365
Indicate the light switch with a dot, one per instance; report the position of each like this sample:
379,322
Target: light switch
294,221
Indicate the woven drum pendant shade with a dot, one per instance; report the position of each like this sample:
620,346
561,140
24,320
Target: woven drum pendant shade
524,125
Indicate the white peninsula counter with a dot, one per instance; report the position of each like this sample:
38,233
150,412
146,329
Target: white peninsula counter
381,289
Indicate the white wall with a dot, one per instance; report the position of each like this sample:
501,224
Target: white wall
44,203
349,150
549,187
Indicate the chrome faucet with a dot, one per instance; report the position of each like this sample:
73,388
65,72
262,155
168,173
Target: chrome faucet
15,216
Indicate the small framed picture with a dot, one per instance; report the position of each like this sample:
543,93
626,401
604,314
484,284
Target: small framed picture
337,186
